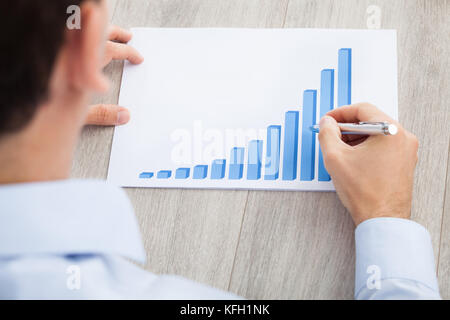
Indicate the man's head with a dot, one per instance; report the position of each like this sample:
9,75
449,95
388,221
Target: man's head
48,73
35,36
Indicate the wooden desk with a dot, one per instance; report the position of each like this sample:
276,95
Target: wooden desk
293,245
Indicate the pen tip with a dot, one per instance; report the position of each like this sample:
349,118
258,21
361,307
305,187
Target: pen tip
314,128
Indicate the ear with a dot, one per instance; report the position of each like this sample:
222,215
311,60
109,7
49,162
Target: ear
85,49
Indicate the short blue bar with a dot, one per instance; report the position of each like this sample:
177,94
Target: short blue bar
182,173
218,169
164,174
308,136
272,166
145,175
345,77
326,104
254,159
290,145
200,171
236,163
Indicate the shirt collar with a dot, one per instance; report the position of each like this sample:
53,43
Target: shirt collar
68,217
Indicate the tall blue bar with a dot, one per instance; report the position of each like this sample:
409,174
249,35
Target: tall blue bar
290,145
254,159
145,175
345,77
272,166
182,173
200,171
236,163
218,169
326,104
308,136
164,174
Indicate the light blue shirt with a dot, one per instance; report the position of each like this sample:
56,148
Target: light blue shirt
74,239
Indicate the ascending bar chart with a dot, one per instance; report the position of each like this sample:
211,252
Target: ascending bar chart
232,108
294,132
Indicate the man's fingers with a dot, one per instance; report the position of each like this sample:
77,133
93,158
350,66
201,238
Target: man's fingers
353,139
355,142
330,138
118,34
120,51
359,112
107,115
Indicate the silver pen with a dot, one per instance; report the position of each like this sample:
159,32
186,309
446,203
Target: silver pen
364,128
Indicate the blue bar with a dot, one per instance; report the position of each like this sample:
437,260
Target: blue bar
326,104
218,169
164,174
345,77
254,159
290,145
326,91
182,173
145,175
308,136
200,171
272,153
236,163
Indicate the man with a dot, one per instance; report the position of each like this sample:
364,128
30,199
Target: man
52,229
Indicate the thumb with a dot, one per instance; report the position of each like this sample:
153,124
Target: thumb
330,136
107,115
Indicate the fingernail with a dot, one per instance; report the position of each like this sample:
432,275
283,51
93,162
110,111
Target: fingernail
123,116
325,121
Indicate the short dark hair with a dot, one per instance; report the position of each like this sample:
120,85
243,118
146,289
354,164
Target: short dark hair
32,35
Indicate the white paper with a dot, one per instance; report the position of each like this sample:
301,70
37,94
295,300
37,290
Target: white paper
198,87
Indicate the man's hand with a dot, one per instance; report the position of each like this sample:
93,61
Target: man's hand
115,49
373,175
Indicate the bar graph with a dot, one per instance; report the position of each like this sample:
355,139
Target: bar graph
326,104
289,147
231,108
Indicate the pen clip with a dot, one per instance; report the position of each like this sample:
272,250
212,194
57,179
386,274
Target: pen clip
374,123
388,128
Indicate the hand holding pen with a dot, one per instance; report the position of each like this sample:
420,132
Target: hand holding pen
373,174
365,128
